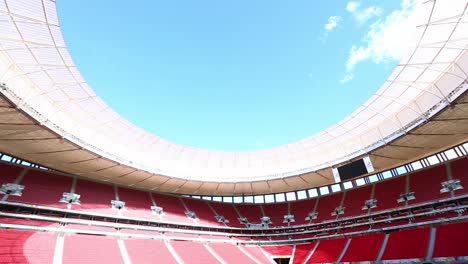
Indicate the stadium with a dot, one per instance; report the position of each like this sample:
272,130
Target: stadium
79,183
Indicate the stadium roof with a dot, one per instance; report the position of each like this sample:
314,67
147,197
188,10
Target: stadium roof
60,122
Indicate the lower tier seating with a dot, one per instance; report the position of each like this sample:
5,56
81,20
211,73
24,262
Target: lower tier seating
91,249
27,246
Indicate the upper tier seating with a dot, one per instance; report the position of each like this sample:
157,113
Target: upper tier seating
460,172
276,212
387,192
9,173
426,184
227,210
95,197
252,212
46,188
137,203
355,200
43,188
173,208
204,213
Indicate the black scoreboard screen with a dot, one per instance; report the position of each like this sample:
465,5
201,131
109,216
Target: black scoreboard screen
353,169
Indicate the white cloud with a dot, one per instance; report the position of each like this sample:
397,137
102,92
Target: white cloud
386,39
347,78
362,15
352,6
332,23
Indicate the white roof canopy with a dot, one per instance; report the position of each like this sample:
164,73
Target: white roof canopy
43,81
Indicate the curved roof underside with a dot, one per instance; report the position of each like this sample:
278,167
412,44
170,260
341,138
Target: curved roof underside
79,133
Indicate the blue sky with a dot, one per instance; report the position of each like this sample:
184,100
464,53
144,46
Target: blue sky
231,75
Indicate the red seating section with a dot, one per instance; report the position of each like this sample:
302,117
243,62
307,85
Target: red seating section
407,244
256,252
279,250
363,248
205,215
26,246
43,188
9,173
21,221
328,251
137,203
276,212
227,210
355,199
301,210
173,208
95,197
302,252
451,240
326,205
252,212
46,188
18,246
426,184
148,251
230,252
91,249
459,171
192,252
387,193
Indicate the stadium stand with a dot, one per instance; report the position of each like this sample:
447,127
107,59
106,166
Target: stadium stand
228,212
355,200
253,213
426,184
459,170
407,244
173,208
302,252
388,191
327,204
301,210
230,252
91,249
192,252
137,203
146,251
356,252
276,212
451,240
39,193
18,246
257,253
204,213
95,197
327,251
